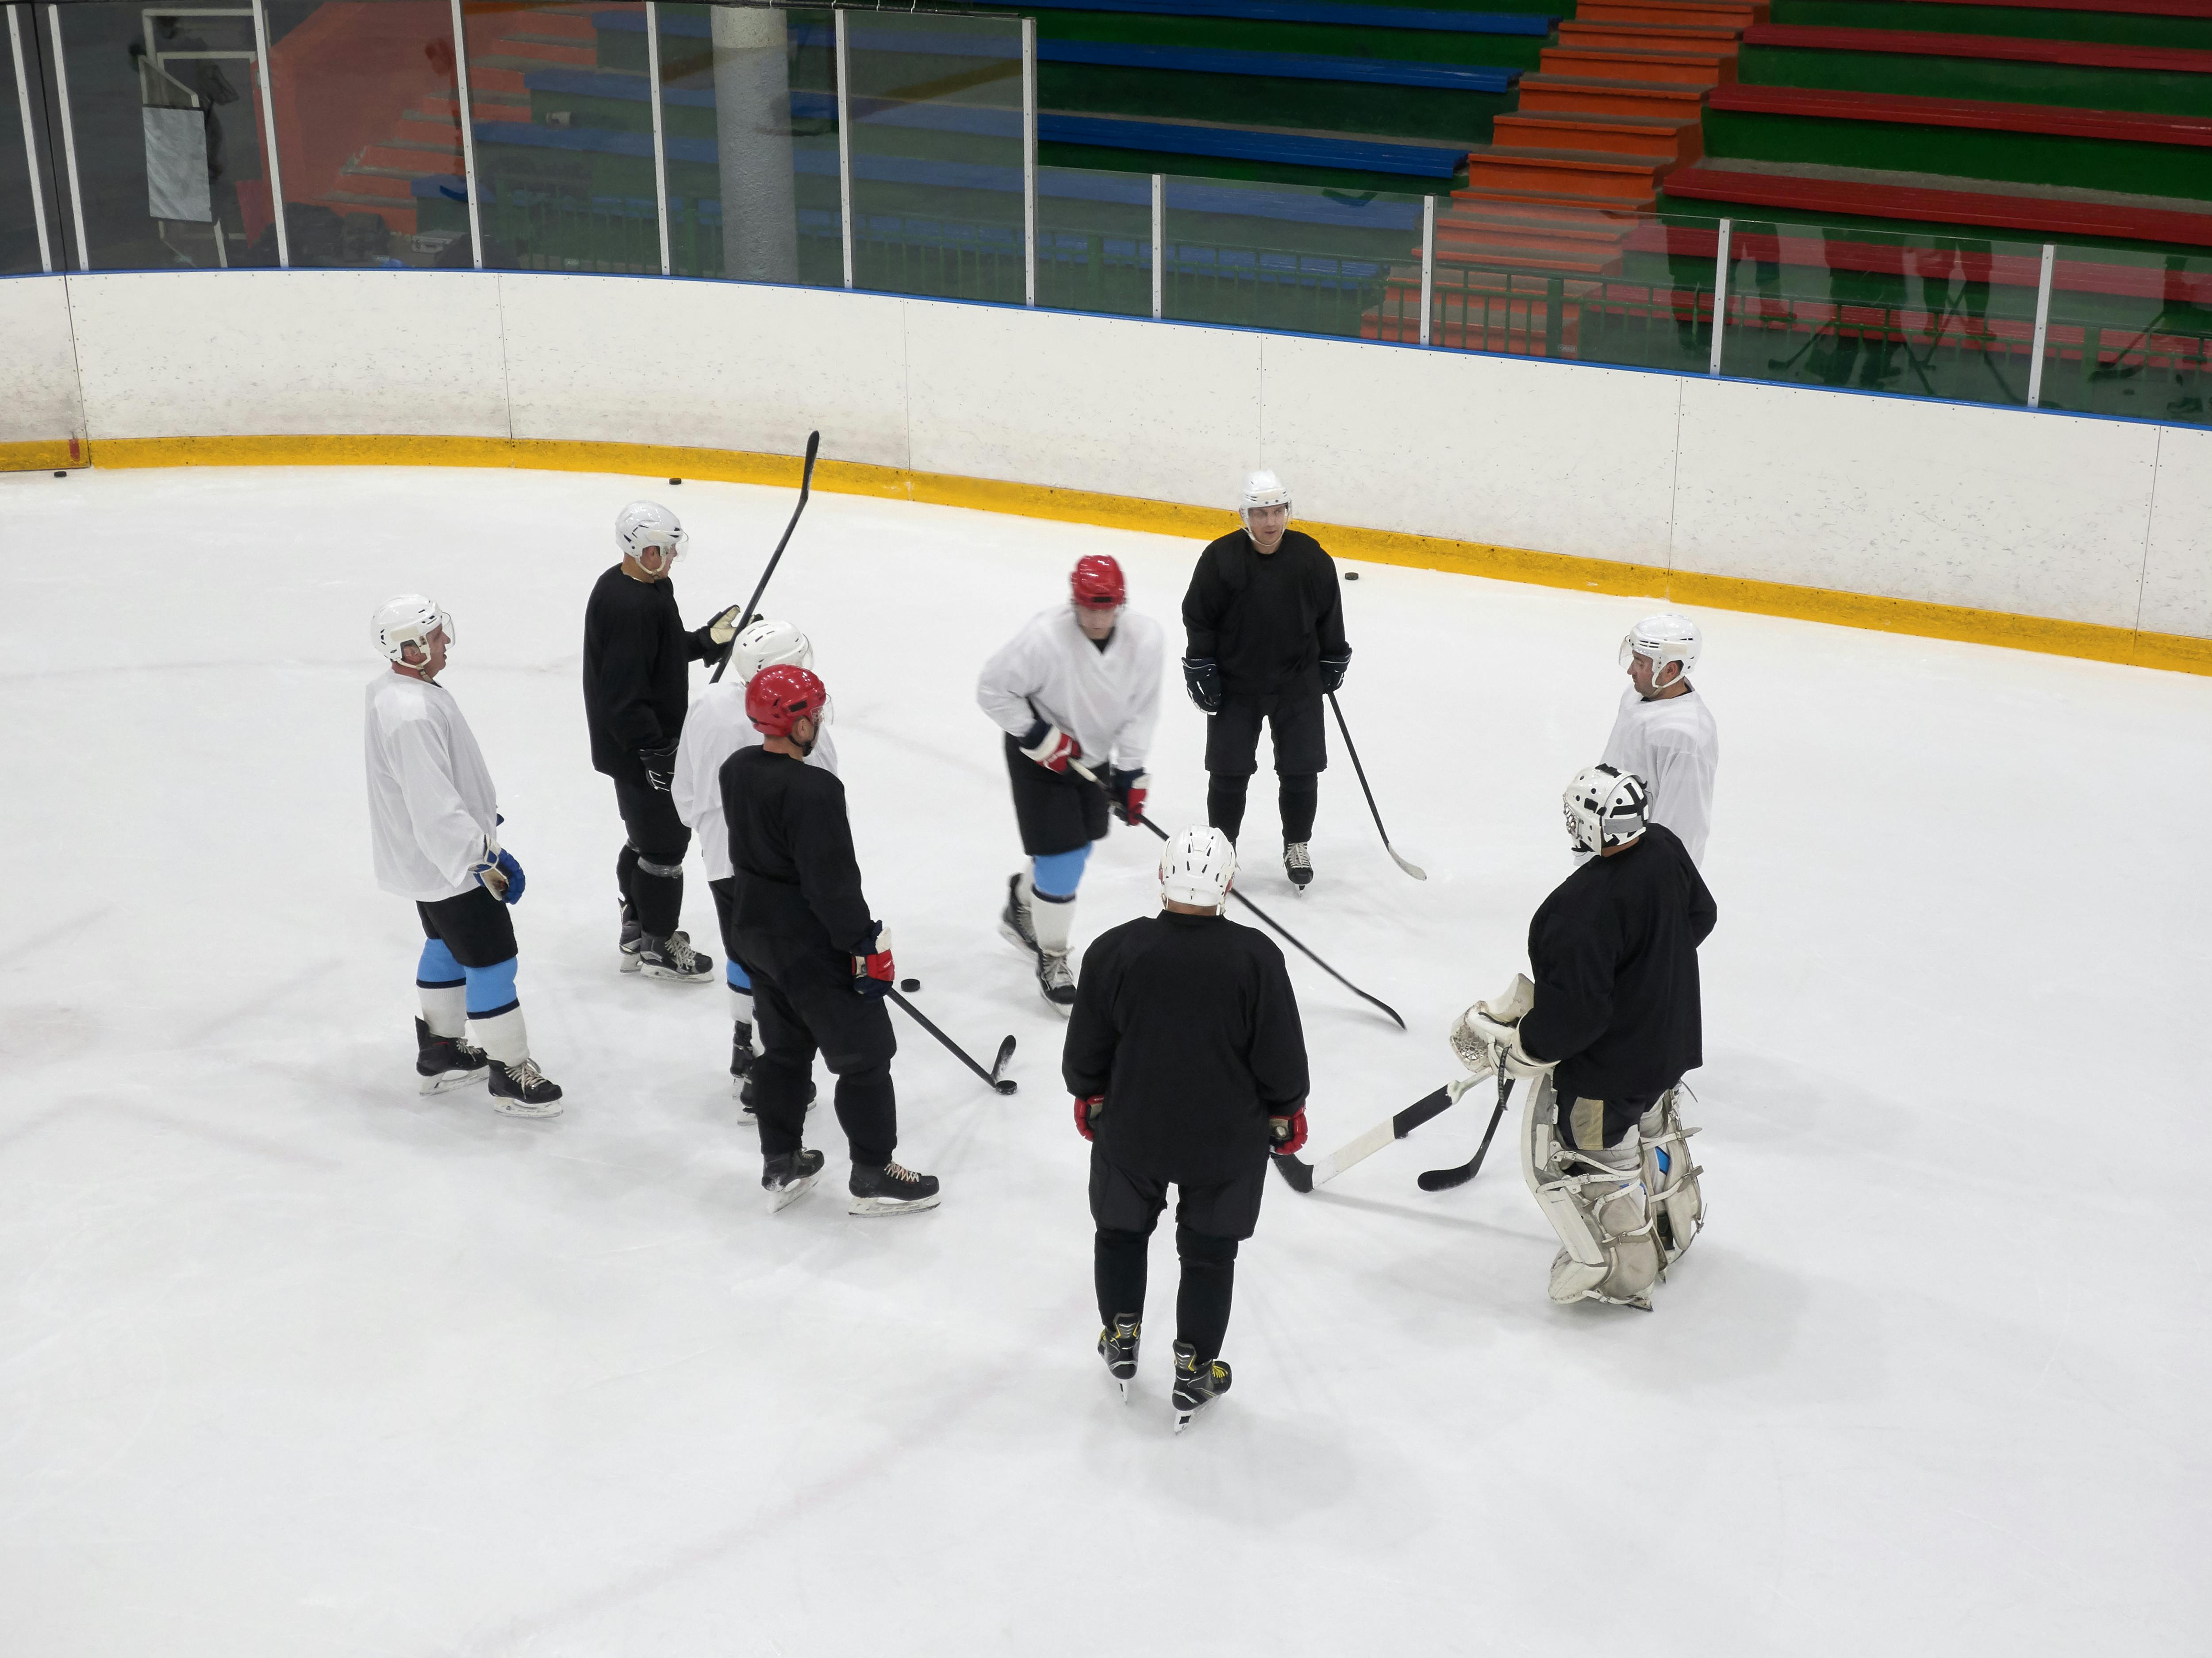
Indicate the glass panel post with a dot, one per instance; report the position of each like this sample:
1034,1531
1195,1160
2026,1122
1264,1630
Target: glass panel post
68,137
845,141
1159,241
268,135
468,137
1028,161
1428,264
30,144
660,134
2042,325
1720,294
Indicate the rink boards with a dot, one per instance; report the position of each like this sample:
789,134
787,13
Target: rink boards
2079,536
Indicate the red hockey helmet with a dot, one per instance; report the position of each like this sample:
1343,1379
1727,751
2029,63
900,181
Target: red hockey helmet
778,697
1098,583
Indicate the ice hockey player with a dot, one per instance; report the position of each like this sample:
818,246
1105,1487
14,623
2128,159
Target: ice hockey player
1603,1038
434,821
1664,732
637,657
820,965
1080,682
1188,1065
716,729
1263,622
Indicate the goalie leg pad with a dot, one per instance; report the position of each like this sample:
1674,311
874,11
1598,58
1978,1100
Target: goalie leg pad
1670,1177
1595,1203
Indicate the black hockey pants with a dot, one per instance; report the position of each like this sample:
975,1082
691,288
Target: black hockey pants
1125,1207
1297,797
809,1006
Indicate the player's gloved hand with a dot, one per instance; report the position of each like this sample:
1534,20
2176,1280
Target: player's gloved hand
659,766
1128,789
724,627
1332,669
1085,1109
1201,676
503,878
1504,1040
873,974
1289,1133
1052,748
1476,1047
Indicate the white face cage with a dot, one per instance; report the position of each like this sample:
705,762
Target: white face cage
1605,807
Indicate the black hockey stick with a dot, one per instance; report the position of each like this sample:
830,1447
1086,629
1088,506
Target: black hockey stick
1304,1176
746,616
994,1077
1082,771
1444,1179
1360,772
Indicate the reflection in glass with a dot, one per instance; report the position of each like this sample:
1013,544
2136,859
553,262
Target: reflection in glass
1300,258
23,207
1095,241
2130,335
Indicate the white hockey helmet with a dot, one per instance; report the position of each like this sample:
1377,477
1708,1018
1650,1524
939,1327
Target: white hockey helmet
1197,866
645,524
1664,638
410,620
1262,489
765,644
1605,807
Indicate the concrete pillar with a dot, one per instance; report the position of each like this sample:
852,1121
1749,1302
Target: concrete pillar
753,136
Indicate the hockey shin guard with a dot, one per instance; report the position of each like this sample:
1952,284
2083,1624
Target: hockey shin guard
1225,802
1053,918
501,1036
657,894
442,984
1299,797
1117,1270
1209,1279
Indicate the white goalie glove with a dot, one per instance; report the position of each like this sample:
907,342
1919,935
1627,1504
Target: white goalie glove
1487,1036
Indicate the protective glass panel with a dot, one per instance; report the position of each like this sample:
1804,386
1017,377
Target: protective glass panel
166,120
1095,241
935,104
1297,258
2130,335
368,133
563,122
1948,317
19,205
749,106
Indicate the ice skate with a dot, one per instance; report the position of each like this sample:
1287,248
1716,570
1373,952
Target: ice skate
1196,1384
672,958
633,936
1014,919
786,1178
1055,981
1118,1347
891,1189
1298,863
446,1061
524,1090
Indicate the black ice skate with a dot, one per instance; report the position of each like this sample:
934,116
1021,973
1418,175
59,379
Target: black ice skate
891,1189
1118,1347
524,1090
672,958
1196,1384
1014,919
786,1178
1298,863
633,936
1055,981
446,1061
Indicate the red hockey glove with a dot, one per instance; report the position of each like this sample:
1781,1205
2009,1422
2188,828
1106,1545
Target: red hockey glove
873,973
1054,750
1129,791
1083,1110
1289,1133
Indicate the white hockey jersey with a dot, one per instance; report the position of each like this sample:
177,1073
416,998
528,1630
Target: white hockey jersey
716,728
1108,700
432,808
1673,746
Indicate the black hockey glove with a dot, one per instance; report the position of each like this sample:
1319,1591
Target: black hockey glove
1201,676
659,766
1333,670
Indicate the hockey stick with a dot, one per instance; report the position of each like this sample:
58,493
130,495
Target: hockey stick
994,1077
1444,1179
1304,1176
746,616
1360,772
1082,771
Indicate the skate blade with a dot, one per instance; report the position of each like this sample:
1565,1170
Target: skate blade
447,1081
894,1205
784,1196
1007,932
669,975
1121,1384
629,963
508,1107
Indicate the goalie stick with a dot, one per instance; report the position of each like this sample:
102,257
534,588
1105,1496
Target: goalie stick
1444,1179
747,615
1304,1177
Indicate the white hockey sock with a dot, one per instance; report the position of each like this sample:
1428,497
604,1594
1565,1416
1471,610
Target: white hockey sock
445,1008
1053,919
501,1037
741,1006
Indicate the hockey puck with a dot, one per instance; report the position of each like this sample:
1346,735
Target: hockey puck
1349,575
61,474
910,985
675,480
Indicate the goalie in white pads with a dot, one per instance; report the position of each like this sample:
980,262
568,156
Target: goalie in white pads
1664,732
1603,1036
716,728
434,828
1080,682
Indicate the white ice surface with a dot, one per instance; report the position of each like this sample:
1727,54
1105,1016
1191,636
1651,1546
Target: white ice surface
294,1361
